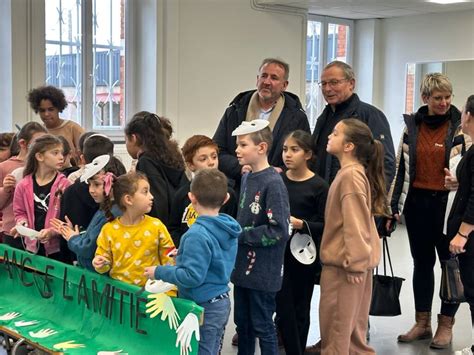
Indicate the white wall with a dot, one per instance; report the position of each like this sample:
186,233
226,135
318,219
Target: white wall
216,51
461,74
434,37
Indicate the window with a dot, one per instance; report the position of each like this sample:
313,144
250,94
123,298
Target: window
326,40
89,68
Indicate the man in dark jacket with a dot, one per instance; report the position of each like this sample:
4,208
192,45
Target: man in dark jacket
337,85
270,101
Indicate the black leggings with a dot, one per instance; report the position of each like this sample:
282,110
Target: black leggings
424,217
293,304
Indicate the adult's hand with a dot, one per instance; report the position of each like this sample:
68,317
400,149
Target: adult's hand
450,181
456,246
388,225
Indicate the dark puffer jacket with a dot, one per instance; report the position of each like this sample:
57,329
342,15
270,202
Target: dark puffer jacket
291,118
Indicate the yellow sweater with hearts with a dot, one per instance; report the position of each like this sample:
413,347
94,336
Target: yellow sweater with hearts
132,248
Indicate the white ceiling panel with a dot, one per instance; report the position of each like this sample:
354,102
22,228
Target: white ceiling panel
358,9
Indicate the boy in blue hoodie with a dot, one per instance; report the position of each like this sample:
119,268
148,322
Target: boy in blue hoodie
206,257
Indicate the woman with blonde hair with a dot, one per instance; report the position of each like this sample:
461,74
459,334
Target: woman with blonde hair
431,139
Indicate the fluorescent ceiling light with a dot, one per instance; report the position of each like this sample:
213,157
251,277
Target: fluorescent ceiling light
447,2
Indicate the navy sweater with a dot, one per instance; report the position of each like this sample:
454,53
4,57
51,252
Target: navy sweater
264,214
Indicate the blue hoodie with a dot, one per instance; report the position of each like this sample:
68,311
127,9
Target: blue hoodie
205,259
84,244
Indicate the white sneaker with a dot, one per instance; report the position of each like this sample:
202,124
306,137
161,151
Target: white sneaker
466,351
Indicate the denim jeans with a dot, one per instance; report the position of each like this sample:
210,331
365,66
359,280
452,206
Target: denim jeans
253,316
216,315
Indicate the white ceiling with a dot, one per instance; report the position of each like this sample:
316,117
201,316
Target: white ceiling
365,9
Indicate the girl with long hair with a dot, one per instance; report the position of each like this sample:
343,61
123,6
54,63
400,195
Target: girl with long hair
105,170
308,193
27,134
37,196
350,246
159,159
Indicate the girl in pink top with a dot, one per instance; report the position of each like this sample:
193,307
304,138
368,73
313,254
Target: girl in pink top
37,197
27,134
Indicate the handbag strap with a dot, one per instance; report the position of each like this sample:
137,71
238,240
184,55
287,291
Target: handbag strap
385,255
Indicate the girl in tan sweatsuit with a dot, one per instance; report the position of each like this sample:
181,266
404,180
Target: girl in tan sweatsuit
350,246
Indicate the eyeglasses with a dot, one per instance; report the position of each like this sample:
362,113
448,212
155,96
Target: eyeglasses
331,83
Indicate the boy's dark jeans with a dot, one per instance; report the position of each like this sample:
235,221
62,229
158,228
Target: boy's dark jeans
253,316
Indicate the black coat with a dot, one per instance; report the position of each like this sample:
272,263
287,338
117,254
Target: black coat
164,181
370,115
462,209
291,118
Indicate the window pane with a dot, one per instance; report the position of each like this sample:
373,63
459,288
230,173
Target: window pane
109,63
63,52
313,66
338,39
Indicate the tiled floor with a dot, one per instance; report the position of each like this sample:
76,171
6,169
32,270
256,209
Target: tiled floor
384,331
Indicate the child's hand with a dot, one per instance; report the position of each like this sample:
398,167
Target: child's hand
296,223
354,278
9,183
64,228
100,261
45,235
14,233
150,272
56,224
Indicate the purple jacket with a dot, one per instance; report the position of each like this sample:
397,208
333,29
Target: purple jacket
23,209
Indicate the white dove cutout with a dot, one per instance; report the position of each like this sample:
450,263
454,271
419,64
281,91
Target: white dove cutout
185,332
22,323
43,333
10,316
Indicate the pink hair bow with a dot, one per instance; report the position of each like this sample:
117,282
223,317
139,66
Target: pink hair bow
108,182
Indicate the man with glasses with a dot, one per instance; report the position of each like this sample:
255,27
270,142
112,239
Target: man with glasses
337,85
270,102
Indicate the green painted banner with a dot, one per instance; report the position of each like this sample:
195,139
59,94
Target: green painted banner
82,307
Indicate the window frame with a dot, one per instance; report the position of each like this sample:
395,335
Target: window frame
87,77
323,49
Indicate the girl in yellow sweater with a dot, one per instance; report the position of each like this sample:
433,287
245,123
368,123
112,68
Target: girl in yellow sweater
133,241
350,246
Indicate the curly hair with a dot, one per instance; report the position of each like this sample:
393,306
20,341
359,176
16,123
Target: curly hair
151,137
51,93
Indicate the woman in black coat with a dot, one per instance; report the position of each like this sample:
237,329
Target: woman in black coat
461,217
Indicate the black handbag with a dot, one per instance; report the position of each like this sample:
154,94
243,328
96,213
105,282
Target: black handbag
452,289
386,289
